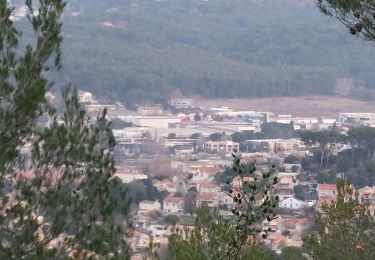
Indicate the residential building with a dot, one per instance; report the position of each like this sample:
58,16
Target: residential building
133,133
158,122
150,111
285,187
222,146
327,191
367,194
295,224
173,204
208,198
239,181
85,97
282,145
204,173
292,203
147,205
208,187
128,177
165,185
274,224
158,230
183,150
275,240
225,199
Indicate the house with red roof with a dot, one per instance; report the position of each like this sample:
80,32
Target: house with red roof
367,194
327,191
209,198
208,187
205,173
285,187
173,204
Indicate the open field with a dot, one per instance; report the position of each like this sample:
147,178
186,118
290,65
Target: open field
296,106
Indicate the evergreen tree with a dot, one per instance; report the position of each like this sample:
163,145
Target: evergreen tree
58,196
216,237
357,15
344,229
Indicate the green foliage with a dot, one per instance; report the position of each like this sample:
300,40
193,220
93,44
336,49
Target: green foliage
208,48
190,205
172,219
357,163
344,229
215,237
196,136
278,130
246,135
152,214
58,197
260,252
300,192
358,16
362,139
119,124
226,176
292,159
326,140
268,131
172,136
143,190
294,168
291,253
215,137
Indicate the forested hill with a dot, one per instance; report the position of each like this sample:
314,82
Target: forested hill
138,51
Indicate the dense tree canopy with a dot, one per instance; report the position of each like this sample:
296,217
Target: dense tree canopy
344,229
140,52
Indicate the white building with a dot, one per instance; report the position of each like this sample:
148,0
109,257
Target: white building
327,191
367,119
147,205
158,122
292,203
172,204
210,199
204,173
221,146
130,176
182,102
158,230
85,97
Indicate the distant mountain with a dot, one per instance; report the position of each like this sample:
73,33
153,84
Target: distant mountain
140,50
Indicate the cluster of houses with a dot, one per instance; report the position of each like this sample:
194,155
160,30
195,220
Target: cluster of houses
197,165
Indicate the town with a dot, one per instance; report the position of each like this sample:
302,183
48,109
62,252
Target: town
177,159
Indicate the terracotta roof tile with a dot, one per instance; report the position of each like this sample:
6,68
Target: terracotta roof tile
173,199
206,196
327,187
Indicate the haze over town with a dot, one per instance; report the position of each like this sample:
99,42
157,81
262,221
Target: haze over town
191,86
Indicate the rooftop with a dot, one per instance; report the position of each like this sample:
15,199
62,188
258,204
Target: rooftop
173,199
326,187
206,196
